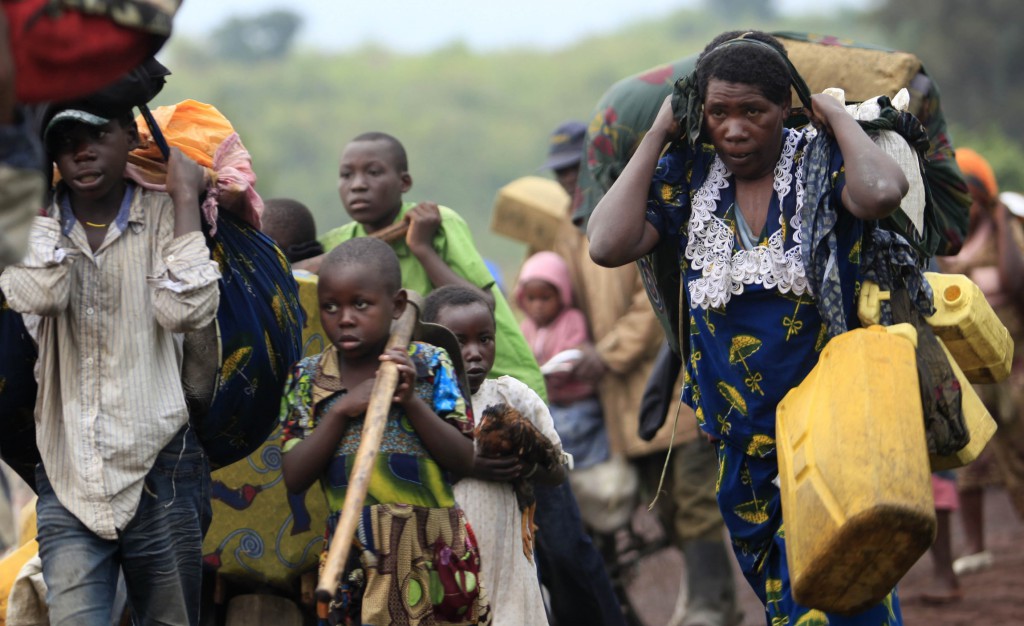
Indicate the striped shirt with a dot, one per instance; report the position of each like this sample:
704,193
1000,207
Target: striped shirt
110,394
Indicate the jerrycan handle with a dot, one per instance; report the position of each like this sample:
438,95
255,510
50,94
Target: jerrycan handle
869,303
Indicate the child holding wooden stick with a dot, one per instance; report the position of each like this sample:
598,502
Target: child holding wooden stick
414,558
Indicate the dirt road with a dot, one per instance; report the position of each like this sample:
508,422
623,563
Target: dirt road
994,597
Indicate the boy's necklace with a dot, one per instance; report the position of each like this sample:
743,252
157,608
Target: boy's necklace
94,225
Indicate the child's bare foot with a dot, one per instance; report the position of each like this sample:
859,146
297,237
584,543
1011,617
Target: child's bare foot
944,588
945,596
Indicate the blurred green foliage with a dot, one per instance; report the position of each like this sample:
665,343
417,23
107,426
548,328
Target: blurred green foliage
1003,151
973,50
253,39
471,122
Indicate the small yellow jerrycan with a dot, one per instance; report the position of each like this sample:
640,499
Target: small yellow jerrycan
963,320
970,329
853,471
979,422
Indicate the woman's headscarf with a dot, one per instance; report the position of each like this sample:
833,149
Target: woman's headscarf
976,169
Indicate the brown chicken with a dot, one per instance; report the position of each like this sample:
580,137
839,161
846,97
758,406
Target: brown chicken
503,431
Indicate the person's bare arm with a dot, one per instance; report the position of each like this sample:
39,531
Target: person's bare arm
875,184
308,459
618,230
1011,260
186,180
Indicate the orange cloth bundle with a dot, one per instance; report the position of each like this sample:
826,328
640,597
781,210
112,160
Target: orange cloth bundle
207,137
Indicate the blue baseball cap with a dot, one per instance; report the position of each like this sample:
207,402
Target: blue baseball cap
565,148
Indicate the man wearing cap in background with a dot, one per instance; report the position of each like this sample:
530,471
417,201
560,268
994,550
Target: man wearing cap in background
564,152
627,337
570,566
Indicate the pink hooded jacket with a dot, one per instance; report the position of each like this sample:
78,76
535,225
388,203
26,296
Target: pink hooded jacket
568,330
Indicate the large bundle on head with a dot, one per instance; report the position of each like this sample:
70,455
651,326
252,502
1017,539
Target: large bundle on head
234,391
64,49
207,137
865,72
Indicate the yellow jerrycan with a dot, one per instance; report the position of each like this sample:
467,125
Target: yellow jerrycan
853,471
970,329
978,420
960,310
963,320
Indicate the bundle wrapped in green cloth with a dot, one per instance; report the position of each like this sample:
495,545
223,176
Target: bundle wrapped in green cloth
629,107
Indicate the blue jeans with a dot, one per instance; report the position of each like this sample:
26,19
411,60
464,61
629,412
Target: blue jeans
570,566
160,550
580,426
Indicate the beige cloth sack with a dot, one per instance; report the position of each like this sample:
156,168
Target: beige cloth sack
26,605
606,493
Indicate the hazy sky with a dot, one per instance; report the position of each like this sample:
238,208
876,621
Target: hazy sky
418,25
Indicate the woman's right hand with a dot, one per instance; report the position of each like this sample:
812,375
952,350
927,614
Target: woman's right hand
666,123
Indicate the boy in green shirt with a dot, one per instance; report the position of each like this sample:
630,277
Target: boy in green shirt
438,248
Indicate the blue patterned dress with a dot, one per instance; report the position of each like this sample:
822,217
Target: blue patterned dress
755,333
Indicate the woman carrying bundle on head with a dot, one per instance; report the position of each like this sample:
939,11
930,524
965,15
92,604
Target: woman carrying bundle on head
729,194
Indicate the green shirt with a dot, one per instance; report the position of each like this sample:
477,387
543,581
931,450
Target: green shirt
454,244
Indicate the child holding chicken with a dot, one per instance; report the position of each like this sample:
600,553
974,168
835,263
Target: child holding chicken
516,443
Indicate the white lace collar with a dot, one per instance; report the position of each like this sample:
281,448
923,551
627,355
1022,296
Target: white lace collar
709,247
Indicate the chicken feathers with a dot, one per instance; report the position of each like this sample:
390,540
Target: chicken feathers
503,431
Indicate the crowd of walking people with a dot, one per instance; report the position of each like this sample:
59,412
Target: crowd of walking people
710,246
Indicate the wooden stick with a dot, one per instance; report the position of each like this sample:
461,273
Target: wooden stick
393,233
369,444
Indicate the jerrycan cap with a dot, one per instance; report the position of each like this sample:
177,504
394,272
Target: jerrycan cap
953,297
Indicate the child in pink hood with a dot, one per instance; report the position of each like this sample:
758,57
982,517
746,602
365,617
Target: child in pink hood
553,325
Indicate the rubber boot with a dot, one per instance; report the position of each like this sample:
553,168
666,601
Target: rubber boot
711,588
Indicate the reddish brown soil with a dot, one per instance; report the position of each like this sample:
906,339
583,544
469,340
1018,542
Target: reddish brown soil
994,597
